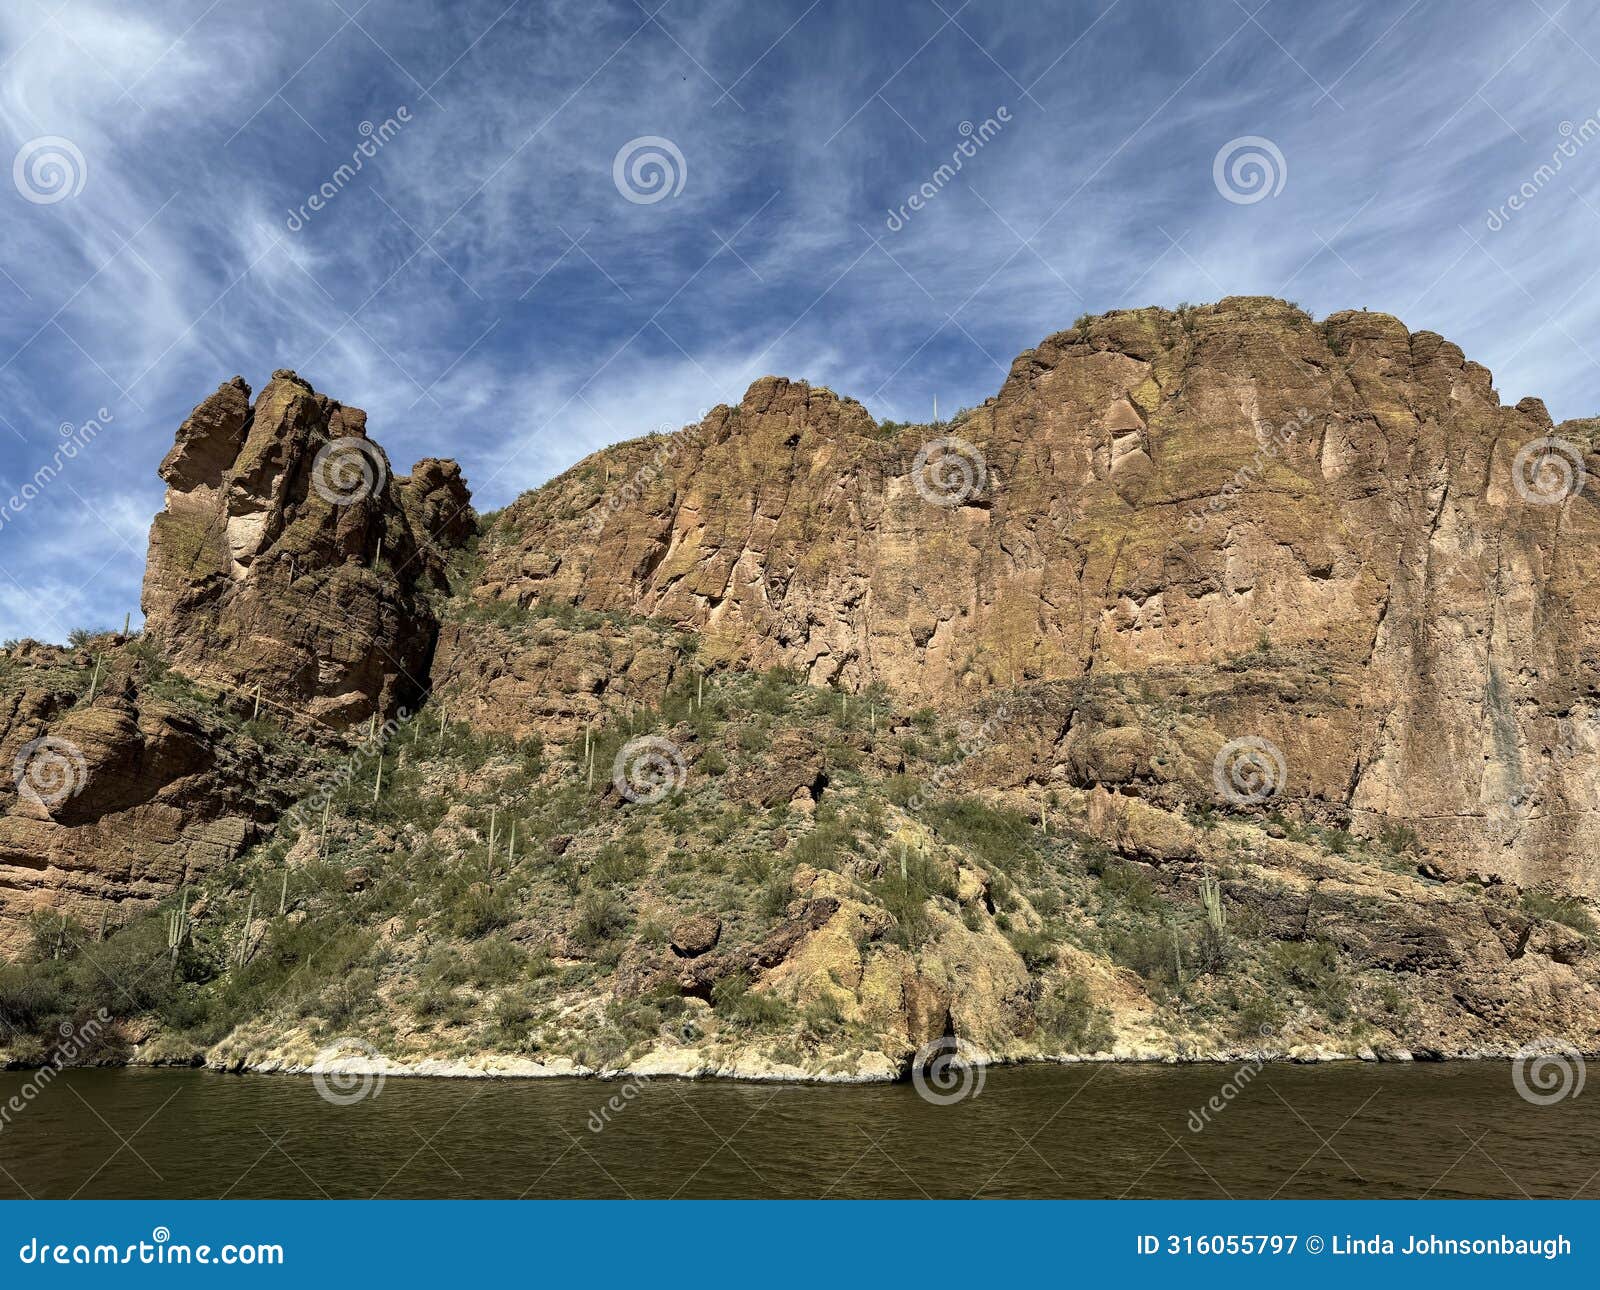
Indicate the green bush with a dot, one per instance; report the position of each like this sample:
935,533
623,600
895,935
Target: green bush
776,895
1034,948
1313,967
1070,1016
599,914
1560,909
1000,838
1154,950
739,1005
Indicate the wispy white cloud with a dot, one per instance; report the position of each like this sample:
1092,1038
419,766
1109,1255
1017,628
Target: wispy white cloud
484,291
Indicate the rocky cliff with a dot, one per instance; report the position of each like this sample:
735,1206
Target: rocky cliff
289,558
1329,537
1223,684
289,575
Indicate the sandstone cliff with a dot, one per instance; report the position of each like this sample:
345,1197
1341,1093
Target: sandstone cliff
1222,685
1308,534
289,558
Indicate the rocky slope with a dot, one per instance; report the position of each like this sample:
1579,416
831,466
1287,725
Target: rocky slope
1312,534
289,575
125,784
1222,684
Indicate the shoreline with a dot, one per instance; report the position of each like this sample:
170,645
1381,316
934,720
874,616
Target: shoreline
494,1066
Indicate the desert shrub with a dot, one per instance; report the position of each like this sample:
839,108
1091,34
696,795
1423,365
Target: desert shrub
618,864
1313,967
1069,1015
739,1005
1129,887
776,895
513,1011
1153,950
1560,909
477,910
998,837
496,961
1398,838
31,996
771,693
822,1018
599,914
904,890
1257,1017
1034,948
900,789
821,847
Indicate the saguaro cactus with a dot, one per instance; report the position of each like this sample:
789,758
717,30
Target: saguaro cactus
241,951
1211,898
178,929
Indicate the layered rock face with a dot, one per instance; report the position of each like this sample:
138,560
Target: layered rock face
289,576
1168,532
113,795
288,557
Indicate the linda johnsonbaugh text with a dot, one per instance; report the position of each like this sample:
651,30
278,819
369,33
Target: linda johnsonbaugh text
1345,1243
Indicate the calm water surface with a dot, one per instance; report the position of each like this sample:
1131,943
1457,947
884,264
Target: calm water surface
1080,1131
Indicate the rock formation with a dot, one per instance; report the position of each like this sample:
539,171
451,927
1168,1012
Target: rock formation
1225,681
288,576
289,559
114,795
1329,537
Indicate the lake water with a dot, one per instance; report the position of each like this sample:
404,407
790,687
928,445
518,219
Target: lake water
1346,1130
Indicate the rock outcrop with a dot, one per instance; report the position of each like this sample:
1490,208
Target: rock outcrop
288,558
796,744
114,796
1179,531
289,577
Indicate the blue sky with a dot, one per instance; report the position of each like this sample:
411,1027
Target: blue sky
488,288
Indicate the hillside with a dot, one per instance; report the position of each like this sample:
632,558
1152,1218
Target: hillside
1223,684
